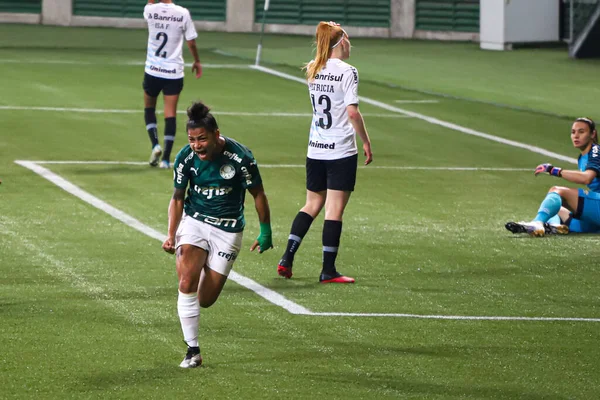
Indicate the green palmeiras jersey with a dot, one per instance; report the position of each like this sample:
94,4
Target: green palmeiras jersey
217,188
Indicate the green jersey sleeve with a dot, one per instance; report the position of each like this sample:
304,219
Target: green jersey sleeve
181,167
250,173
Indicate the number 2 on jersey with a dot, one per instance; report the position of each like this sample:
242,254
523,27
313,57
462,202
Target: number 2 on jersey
165,38
324,124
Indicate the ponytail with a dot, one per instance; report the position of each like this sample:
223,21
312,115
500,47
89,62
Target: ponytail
326,37
199,116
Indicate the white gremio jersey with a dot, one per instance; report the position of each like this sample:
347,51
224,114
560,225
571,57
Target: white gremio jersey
331,134
168,24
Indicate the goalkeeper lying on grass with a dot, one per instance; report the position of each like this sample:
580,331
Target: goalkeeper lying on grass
566,209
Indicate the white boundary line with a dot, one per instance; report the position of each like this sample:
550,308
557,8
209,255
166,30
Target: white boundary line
457,317
116,63
416,101
268,294
398,167
434,121
125,111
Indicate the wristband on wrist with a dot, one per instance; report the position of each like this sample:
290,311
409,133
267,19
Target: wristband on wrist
555,171
265,229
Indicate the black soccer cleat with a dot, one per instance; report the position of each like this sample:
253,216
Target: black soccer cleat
192,358
533,228
515,227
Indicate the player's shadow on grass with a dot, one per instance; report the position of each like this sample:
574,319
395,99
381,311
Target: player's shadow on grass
138,375
570,236
301,283
393,383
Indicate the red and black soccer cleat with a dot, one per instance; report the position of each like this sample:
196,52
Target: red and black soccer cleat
284,269
337,278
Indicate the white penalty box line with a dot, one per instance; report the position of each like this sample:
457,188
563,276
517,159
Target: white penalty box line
117,63
369,167
215,112
266,293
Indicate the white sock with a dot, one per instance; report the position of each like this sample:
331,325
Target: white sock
188,308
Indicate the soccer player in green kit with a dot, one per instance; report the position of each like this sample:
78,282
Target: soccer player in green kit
206,226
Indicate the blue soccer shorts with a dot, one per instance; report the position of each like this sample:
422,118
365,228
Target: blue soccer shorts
587,217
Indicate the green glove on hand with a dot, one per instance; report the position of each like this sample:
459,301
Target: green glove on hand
264,240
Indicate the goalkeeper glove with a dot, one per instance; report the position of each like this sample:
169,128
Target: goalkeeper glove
548,168
264,239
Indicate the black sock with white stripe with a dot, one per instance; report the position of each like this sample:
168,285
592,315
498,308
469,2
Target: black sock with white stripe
332,231
170,129
150,118
300,227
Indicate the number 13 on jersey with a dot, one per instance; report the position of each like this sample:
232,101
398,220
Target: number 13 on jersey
324,102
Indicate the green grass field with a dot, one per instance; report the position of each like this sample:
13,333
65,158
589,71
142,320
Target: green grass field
88,303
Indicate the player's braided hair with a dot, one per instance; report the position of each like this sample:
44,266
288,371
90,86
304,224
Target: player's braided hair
327,36
591,124
199,116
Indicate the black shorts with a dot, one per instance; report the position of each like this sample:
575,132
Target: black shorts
153,85
331,174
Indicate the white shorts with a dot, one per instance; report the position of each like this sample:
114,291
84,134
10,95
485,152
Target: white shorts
222,247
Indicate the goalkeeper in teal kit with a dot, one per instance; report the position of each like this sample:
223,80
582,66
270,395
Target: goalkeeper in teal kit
206,226
567,209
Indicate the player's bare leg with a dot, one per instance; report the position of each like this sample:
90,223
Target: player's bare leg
211,285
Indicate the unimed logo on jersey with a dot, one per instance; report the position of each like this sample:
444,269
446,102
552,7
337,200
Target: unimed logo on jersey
164,71
317,145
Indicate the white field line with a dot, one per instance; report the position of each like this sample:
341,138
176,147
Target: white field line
456,317
416,101
125,111
117,63
369,167
435,121
268,294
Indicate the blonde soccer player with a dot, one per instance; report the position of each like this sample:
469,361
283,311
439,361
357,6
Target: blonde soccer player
168,25
206,224
332,154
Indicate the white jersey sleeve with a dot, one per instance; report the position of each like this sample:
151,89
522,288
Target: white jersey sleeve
168,25
350,87
334,88
189,29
